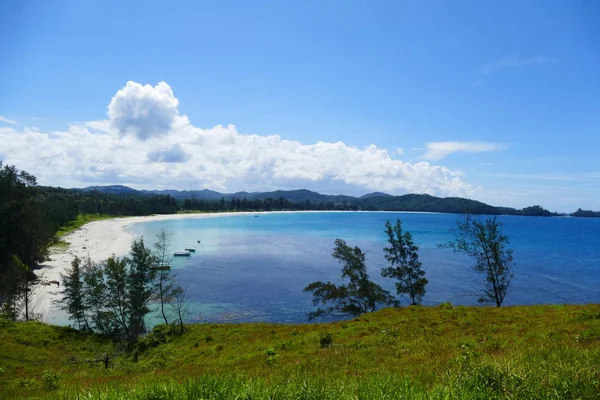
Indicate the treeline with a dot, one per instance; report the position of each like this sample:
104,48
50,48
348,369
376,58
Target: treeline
30,216
409,202
586,213
68,203
268,204
113,297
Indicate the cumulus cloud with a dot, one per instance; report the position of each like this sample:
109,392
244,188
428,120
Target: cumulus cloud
182,156
143,110
439,150
173,154
7,121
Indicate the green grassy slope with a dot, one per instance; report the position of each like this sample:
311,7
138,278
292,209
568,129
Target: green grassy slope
415,352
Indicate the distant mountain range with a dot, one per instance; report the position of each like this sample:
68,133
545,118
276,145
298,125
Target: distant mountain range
372,201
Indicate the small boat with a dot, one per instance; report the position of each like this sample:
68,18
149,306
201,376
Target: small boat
190,249
198,241
182,254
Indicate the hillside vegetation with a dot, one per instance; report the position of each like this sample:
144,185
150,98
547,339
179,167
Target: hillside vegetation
416,352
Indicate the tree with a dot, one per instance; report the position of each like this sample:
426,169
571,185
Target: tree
15,291
139,286
485,242
178,302
403,255
116,296
96,296
359,296
72,300
24,231
164,285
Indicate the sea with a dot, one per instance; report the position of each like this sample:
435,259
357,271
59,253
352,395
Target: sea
253,267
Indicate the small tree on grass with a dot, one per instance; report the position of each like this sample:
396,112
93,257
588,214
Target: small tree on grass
164,285
116,297
485,242
359,296
139,286
403,255
178,302
96,297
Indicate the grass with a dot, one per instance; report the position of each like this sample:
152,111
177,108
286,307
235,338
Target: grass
81,220
445,352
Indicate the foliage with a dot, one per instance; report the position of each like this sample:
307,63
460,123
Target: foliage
488,246
164,284
326,341
113,297
139,285
359,296
73,295
51,380
403,255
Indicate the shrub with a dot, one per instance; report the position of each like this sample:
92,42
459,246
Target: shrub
51,380
271,356
326,341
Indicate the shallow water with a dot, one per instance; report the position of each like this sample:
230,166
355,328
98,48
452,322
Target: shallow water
249,268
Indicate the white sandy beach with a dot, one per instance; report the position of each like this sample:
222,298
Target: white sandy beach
97,240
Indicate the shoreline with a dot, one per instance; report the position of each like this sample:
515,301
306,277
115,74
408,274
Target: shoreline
99,240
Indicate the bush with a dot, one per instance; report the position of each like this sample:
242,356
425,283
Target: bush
326,341
51,380
271,356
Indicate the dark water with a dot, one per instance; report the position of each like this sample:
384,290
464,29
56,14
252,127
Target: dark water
249,268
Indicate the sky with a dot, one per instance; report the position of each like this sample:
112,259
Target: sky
495,101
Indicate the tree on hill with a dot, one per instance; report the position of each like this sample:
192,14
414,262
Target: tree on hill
485,242
24,231
73,295
360,295
164,285
16,291
405,267
96,295
116,299
139,284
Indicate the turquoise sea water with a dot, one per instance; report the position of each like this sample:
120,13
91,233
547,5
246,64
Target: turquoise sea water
250,268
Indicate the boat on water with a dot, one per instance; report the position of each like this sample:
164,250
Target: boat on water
190,249
182,254
198,241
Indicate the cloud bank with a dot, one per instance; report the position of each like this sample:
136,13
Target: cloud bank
146,143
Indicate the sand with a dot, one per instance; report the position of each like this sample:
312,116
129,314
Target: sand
97,240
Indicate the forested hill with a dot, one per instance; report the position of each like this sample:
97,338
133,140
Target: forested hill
302,199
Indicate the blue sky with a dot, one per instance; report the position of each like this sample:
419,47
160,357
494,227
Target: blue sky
498,101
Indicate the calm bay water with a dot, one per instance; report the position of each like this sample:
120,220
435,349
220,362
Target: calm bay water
249,268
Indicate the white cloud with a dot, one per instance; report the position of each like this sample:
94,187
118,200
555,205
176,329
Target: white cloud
143,111
439,150
8,121
126,149
173,154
